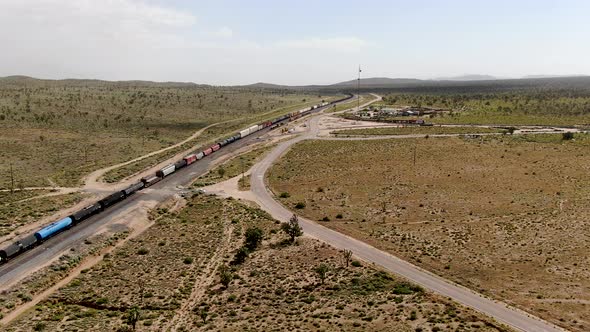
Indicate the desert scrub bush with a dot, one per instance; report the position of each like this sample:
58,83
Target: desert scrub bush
300,205
284,195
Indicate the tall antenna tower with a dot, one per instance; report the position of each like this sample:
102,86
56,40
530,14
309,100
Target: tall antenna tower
358,91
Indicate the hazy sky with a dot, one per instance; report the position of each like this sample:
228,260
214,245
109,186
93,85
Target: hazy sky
291,42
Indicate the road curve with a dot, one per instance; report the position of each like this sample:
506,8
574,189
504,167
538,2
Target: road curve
500,311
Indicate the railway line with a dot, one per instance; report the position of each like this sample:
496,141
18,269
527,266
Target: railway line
45,245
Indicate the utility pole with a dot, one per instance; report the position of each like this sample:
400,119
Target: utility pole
242,164
358,91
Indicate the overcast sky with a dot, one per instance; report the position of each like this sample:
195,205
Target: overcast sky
227,42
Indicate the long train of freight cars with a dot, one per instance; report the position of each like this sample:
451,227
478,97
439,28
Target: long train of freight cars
44,233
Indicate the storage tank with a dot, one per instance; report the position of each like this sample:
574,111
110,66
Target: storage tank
28,242
56,227
133,188
166,171
10,251
85,212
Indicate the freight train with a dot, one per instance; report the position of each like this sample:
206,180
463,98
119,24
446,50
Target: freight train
48,231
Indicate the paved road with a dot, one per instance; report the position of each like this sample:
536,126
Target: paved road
510,316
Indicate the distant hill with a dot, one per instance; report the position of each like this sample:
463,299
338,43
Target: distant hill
551,76
19,80
378,81
470,77
262,85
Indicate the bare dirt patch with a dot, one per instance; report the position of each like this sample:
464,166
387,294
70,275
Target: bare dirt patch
505,216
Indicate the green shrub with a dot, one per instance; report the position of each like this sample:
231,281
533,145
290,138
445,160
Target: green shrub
300,205
284,195
188,260
356,264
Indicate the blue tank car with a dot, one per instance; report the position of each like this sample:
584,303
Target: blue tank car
58,226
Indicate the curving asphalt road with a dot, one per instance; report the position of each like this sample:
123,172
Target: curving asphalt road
500,311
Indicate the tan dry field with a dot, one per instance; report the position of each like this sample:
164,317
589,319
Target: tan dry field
18,212
505,216
170,273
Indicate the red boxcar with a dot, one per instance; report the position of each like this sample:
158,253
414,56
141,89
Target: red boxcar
215,147
208,151
190,159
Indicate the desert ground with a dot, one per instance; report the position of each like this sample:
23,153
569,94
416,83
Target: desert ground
171,276
503,215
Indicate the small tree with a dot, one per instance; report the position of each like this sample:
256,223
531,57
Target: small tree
132,316
347,256
322,271
221,172
253,238
225,276
241,255
292,228
567,136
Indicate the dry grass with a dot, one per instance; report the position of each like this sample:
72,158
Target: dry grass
40,280
175,264
506,216
61,130
14,213
232,167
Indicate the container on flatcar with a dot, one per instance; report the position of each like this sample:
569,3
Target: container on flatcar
166,171
53,228
85,212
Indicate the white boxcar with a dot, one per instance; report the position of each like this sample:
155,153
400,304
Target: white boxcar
259,127
244,133
253,129
200,155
